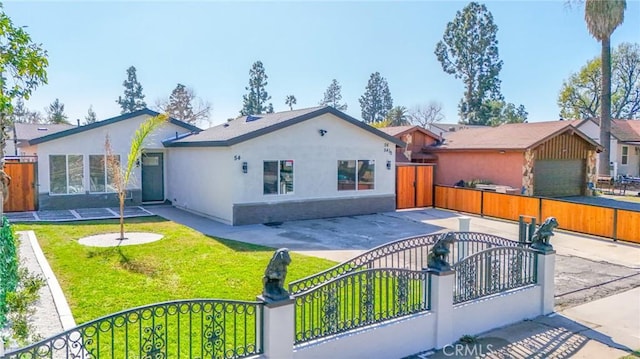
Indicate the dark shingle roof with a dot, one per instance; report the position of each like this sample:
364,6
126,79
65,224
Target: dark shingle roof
626,130
109,121
247,127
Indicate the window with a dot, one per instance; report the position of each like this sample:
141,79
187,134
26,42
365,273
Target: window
278,177
101,177
356,175
66,174
625,155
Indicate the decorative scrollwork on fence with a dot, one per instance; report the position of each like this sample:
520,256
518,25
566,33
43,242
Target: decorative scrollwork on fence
359,299
492,271
202,328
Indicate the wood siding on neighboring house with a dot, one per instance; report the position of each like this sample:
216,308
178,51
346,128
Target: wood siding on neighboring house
563,147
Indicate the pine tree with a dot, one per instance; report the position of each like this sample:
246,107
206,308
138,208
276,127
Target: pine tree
255,102
20,112
333,96
290,101
91,116
55,113
376,101
133,99
184,105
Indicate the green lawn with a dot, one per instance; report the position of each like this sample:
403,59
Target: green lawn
184,264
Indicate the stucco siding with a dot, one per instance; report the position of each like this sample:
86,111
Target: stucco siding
92,143
315,161
499,168
633,161
200,180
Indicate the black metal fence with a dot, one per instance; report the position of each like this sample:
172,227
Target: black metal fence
409,253
359,299
202,328
492,271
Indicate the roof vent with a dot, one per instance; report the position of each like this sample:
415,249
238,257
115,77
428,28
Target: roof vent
252,118
43,129
225,125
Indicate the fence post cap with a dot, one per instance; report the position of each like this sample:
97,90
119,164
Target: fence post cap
271,303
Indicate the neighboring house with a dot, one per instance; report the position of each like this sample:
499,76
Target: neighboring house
624,158
444,129
309,163
17,143
541,158
416,139
71,163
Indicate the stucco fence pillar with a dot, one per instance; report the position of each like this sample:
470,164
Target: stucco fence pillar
442,305
545,274
278,328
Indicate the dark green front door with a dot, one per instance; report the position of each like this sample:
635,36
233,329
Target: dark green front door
152,177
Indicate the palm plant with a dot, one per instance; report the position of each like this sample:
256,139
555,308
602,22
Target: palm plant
122,175
290,101
398,116
602,18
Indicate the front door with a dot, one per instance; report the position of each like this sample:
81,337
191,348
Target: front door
152,177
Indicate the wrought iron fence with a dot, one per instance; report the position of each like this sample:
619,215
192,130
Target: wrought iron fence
359,299
494,270
202,328
409,253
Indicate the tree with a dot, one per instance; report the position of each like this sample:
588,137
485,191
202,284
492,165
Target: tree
20,112
425,115
91,116
469,51
333,96
22,69
255,102
123,175
133,99
602,18
55,113
184,105
376,101
398,116
580,94
499,112
290,101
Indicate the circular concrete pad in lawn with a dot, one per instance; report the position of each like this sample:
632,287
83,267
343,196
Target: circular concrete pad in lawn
111,239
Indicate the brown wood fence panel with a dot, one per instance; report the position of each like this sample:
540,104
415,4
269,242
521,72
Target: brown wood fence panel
424,186
405,187
580,217
509,206
628,226
22,190
459,199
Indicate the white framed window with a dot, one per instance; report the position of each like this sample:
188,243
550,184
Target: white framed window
625,155
101,178
66,174
277,177
356,175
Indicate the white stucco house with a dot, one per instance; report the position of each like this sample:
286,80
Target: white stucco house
19,135
309,163
71,163
625,144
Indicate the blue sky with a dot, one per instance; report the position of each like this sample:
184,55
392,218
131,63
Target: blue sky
210,46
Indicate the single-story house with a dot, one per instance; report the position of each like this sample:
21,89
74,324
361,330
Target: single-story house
416,139
20,134
624,157
72,172
540,158
308,163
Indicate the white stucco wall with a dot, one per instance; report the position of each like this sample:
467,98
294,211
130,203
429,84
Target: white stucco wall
315,160
91,142
200,180
631,168
496,311
633,161
393,339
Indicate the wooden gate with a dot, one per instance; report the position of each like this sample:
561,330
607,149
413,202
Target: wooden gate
22,190
414,185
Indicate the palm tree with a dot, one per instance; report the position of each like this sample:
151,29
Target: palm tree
122,175
398,116
290,101
602,18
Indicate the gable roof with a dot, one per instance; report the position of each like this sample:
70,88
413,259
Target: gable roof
91,126
29,131
398,131
626,130
515,136
248,127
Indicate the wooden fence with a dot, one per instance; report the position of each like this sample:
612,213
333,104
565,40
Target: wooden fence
578,217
